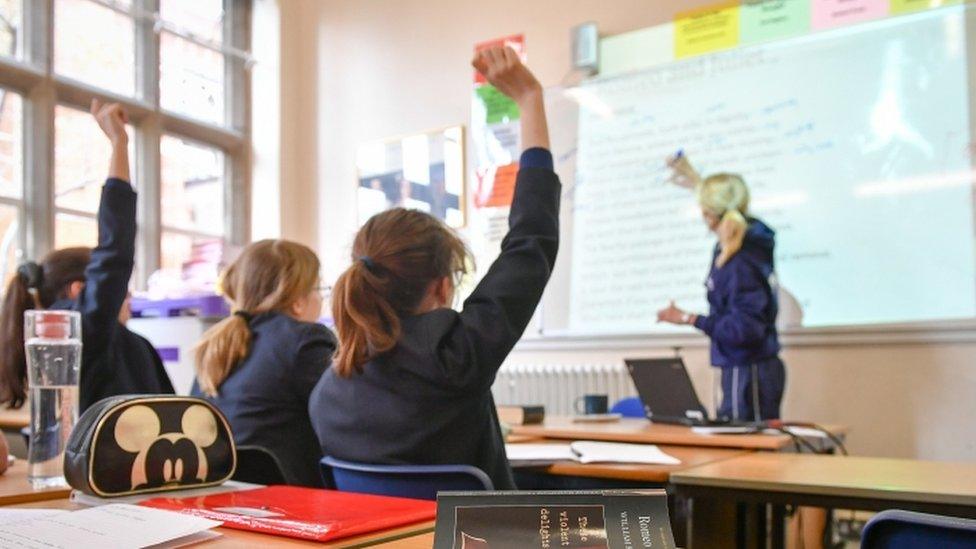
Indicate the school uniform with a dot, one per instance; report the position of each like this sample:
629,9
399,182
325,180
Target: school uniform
742,326
428,400
114,360
265,397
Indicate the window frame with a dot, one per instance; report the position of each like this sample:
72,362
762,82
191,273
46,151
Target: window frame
42,90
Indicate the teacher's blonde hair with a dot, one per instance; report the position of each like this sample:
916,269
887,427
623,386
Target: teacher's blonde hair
726,196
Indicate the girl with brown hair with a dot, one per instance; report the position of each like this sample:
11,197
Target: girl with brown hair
260,364
412,380
94,282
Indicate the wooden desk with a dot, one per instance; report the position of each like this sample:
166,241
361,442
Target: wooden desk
14,487
240,538
14,420
866,483
639,430
690,456
423,541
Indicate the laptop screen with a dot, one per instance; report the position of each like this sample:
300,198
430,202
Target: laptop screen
666,390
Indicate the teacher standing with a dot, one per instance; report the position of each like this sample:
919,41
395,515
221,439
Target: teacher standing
741,321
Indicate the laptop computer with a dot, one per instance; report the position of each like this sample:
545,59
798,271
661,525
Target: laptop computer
668,396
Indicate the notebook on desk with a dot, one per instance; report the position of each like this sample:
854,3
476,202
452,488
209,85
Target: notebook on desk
668,396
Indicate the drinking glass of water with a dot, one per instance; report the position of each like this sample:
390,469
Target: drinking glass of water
53,343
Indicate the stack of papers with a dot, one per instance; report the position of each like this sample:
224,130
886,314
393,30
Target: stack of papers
105,527
531,455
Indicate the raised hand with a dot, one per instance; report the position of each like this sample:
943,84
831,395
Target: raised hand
683,174
111,118
503,69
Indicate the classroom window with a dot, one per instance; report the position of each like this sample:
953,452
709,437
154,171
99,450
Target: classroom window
177,66
11,16
95,44
11,182
192,71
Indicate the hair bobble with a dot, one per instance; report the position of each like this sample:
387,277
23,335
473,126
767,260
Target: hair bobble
368,262
245,315
32,274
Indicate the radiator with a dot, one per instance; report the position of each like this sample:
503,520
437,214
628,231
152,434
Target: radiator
556,386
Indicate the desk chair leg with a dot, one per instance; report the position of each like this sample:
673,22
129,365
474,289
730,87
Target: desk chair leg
777,530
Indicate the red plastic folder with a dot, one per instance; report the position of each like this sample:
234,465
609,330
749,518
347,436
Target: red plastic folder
305,513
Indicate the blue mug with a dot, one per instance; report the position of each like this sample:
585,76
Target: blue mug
592,404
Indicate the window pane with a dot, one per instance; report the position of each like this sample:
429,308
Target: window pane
198,258
11,16
74,230
94,44
81,156
202,18
9,243
192,195
191,79
11,143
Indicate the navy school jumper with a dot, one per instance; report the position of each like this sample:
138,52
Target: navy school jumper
428,401
114,360
265,397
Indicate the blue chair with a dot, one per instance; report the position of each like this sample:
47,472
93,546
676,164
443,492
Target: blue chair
406,481
629,407
895,529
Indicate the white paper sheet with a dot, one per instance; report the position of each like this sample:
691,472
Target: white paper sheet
8,516
106,527
617,452
539,452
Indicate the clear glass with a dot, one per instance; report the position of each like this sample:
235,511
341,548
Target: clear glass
9,241
191,79
52,340
95,44
192,193
11,144
74,230
79,171
201,18
11,27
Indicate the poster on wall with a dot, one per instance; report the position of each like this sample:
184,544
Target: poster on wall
424,171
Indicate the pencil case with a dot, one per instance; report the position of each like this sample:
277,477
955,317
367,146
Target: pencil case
138,444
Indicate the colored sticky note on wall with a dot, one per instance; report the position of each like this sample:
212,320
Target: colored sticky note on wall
496,187
636,50
827,14
772,19
706,29
906,6
498,106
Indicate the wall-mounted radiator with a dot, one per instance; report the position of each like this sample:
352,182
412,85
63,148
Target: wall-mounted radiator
556,386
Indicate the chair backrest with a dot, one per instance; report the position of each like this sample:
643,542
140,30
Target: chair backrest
895,529
257,465
629,407
407,481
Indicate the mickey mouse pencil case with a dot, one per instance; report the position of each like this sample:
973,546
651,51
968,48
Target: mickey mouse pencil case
136,444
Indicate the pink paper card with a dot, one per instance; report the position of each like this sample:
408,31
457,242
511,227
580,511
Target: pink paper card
827,14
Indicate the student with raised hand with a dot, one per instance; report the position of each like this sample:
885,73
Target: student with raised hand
94,282
260,364
411,383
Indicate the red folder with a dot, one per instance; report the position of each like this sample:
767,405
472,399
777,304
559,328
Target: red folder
305,513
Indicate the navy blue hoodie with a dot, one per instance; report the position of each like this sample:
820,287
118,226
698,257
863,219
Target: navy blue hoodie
742,299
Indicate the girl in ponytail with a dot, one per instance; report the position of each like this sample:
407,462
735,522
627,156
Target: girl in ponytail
412,380
742,298
260,364
35,286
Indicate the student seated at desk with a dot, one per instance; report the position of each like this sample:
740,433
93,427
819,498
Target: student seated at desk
94,282
260,364
411,383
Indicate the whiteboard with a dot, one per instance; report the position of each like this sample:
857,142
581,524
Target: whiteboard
857,146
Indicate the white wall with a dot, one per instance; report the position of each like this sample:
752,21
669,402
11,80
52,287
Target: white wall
357,70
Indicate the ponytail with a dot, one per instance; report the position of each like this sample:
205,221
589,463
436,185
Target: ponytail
731,232
397,255
222,347
726,196
269,276
13,361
